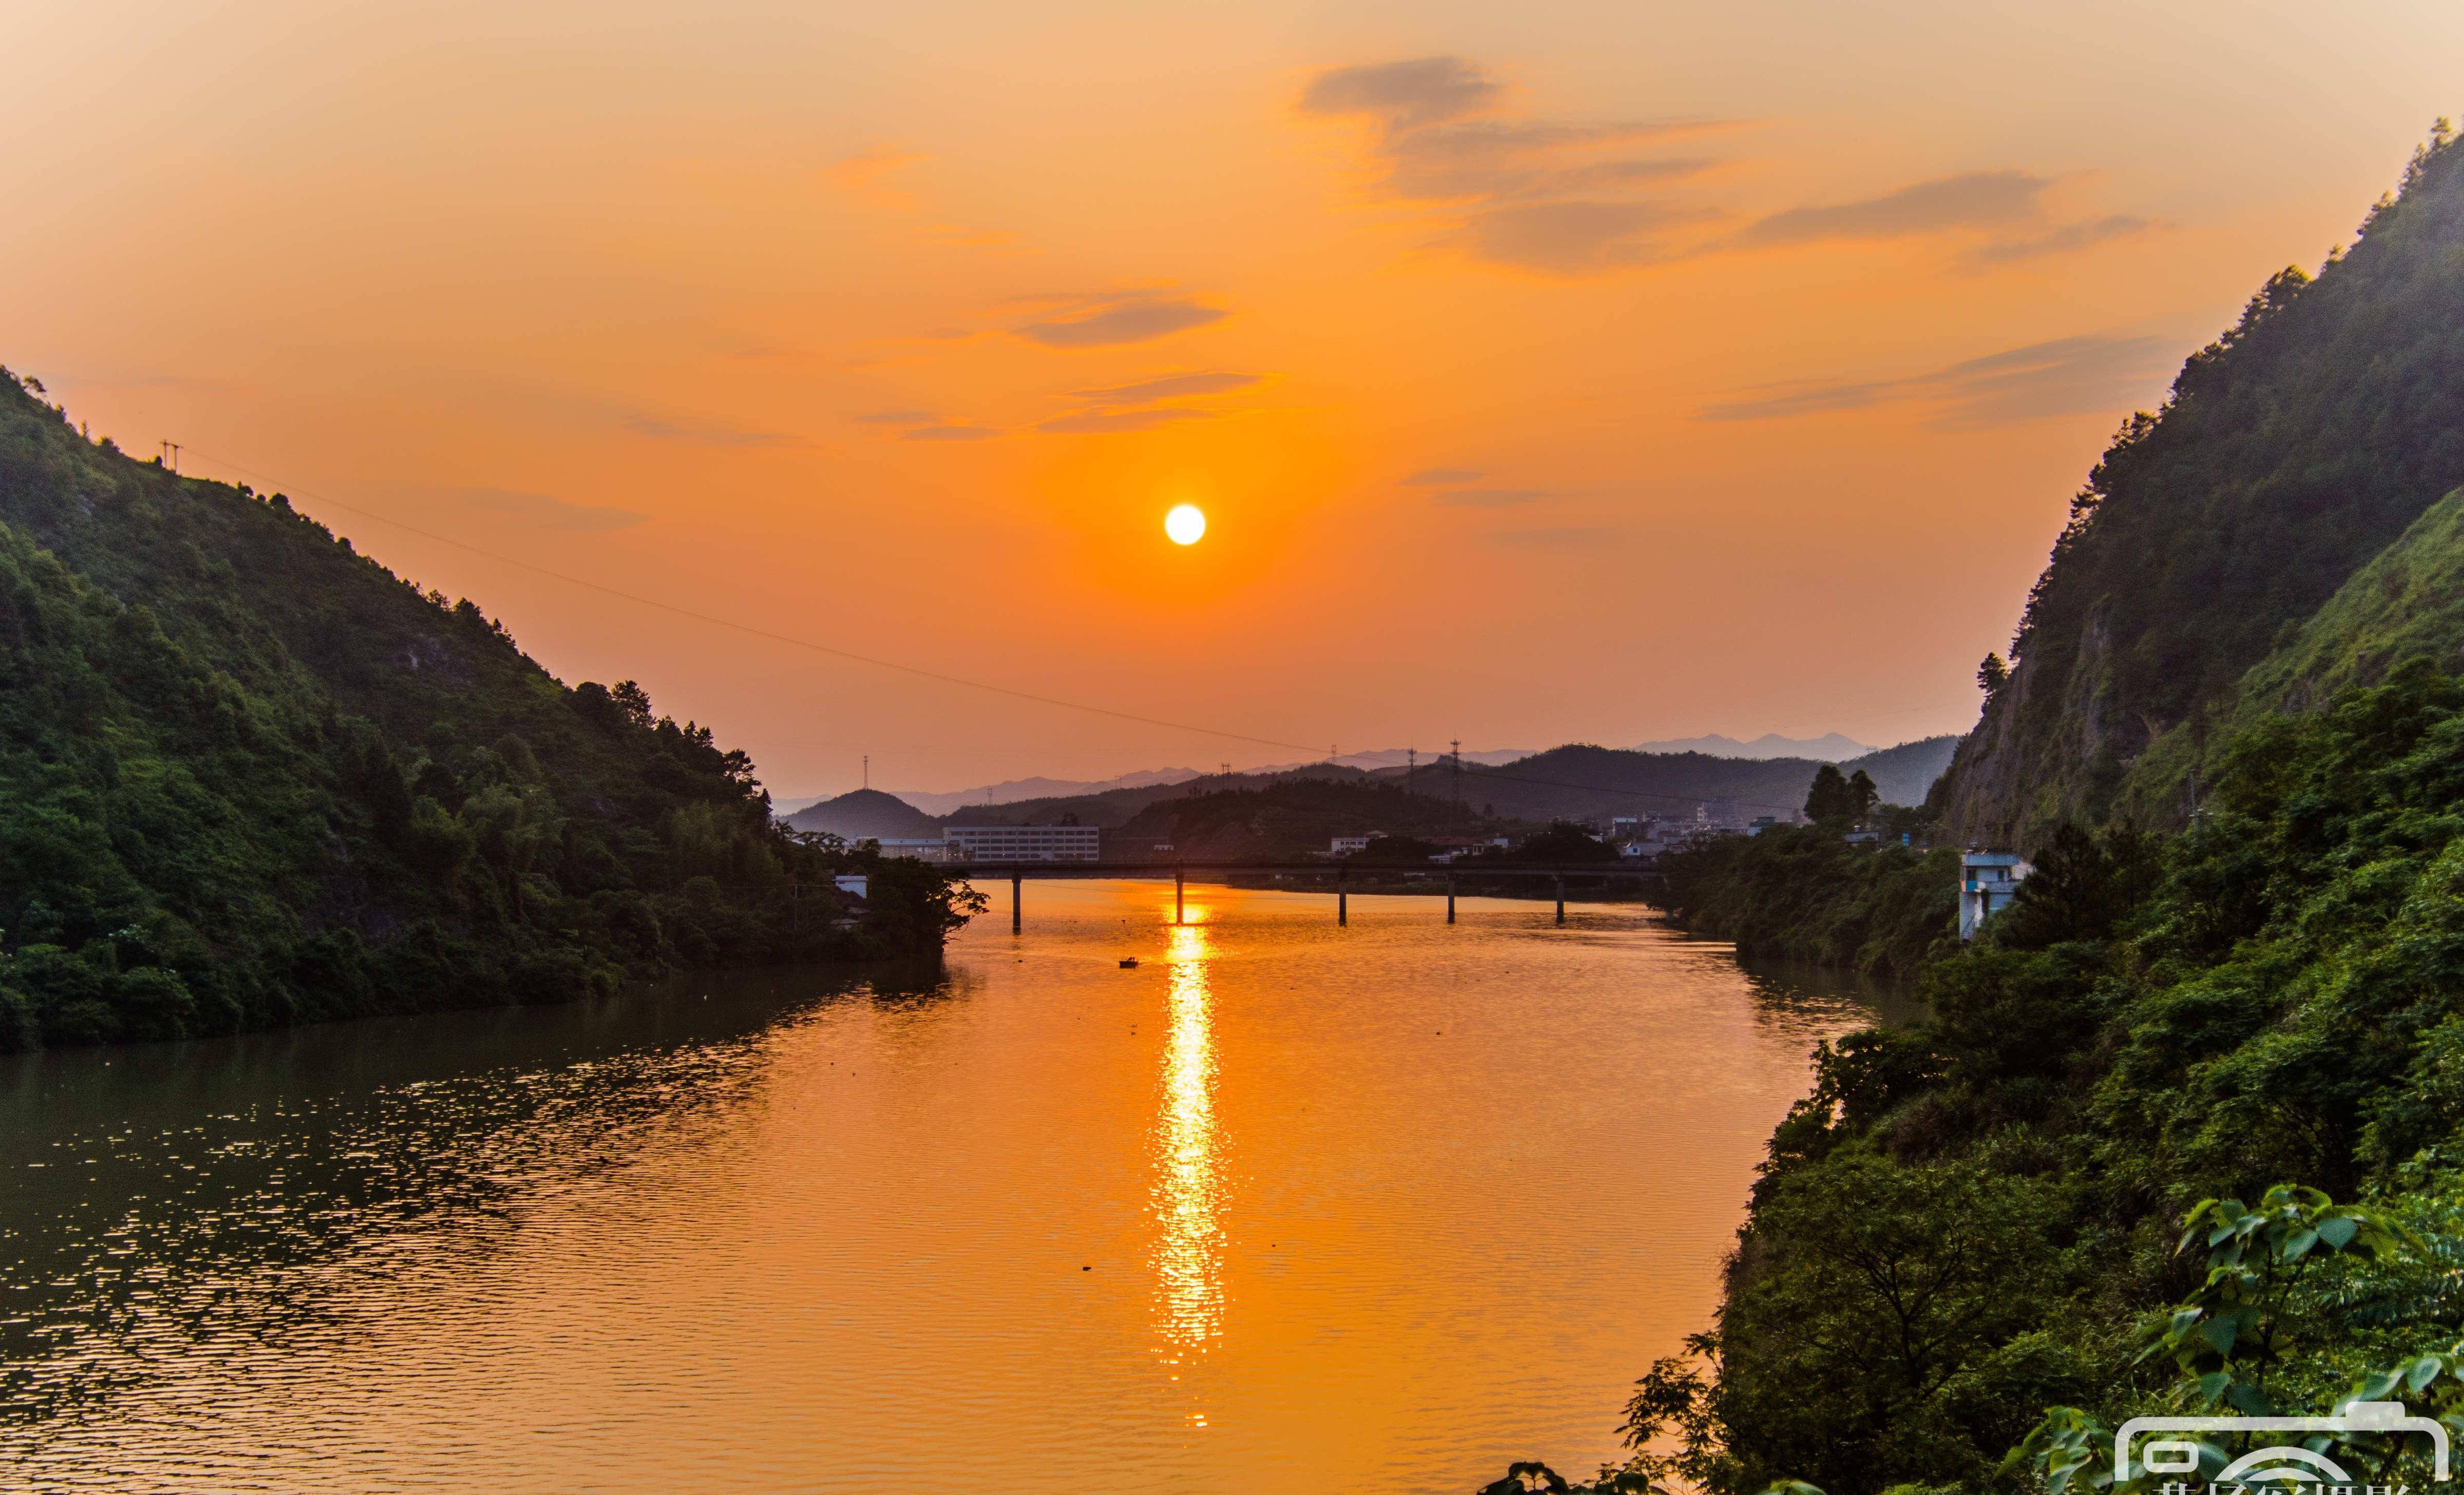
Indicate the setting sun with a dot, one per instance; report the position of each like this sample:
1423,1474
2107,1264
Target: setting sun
1186,524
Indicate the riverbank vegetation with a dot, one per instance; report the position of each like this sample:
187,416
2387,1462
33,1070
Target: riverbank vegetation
1807,894
255,779
2183,1133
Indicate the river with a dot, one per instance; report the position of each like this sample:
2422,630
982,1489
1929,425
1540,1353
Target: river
1287,1207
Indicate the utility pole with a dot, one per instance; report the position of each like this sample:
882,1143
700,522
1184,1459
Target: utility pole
171,455
1456,745
1411,761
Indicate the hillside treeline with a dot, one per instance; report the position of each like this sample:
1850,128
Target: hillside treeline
249,778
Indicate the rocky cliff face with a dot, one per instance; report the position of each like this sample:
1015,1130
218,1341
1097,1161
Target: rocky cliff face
2291,451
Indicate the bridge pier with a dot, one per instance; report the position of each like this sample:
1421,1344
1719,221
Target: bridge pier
1450,898
1342,901
1561,900
1014,884
1179,910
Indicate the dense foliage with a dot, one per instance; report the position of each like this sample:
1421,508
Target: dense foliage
250,778
1807,894
1971,1238
2291,451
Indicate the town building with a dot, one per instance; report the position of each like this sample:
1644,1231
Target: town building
1987,882
1024,843
913,850
1345,846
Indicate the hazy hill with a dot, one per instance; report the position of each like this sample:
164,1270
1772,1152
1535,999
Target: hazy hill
861,814
253,777
1579,781
1829,748
1295,814
1010,791
1569,782
2292,451
1905,774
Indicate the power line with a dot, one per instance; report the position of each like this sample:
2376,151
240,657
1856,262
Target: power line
766,633
1333,750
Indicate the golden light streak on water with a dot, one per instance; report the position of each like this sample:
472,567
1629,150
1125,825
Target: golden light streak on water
1188,1150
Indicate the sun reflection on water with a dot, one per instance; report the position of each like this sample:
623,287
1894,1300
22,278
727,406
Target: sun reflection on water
1188,1200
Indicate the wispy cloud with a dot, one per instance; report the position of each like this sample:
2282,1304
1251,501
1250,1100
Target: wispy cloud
1975,198
949,431
1126,320
2066,376
1573,199
2063,240
1417,91
1536,195
1575,237
1443,476
1146,403
1169,387
1564,538
895,418
700,432
1491,497
1096,420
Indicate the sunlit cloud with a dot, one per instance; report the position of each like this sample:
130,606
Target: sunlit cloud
1096,420
2067,376
1419,91
2063,240
1564,538
1972,199
1491,497
1575,238
1140,320
1536,195
1170,387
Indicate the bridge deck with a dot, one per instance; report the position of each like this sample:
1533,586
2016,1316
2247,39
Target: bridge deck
972,870
1444,877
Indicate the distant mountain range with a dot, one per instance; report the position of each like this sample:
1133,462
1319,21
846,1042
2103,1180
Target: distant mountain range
1011,790
1576,782
1829,748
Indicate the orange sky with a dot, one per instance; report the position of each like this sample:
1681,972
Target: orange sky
1581,371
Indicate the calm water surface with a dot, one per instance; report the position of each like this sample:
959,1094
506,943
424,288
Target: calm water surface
1286,1208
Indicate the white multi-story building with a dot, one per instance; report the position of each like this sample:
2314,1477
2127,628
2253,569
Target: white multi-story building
1987,882
1025,842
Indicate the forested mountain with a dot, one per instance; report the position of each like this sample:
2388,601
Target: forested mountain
2292,449
250,777
2183,1131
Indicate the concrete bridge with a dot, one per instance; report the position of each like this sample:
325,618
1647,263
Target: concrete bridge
1019,872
